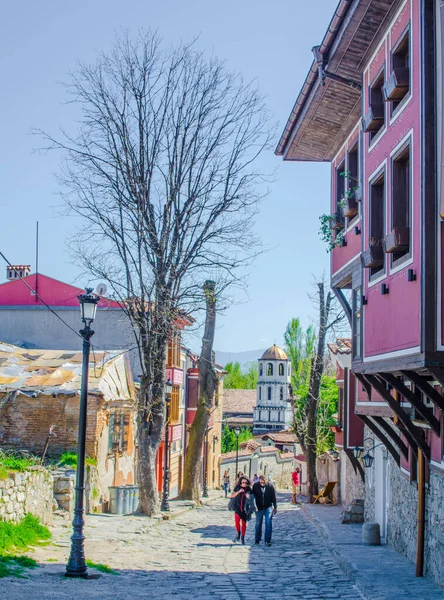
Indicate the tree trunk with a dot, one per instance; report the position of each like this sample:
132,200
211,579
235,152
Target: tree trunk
150,426
207,388
313,393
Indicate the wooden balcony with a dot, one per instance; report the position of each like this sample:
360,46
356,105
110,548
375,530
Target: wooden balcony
397,85
397,240
373,120
374,256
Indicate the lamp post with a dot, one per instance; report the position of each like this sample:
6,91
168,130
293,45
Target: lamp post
237,432
205,481
166,469
367,459
76,566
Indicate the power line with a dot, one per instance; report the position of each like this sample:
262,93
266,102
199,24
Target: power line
40,298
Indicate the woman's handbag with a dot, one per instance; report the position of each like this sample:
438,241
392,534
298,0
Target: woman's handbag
231,504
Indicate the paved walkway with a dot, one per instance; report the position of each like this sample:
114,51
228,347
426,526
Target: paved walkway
192,557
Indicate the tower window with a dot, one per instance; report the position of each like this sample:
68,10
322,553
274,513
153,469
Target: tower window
260,393
269,393
261,368
269,369
281,393
281,369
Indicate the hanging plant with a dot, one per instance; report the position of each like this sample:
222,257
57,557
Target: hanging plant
332,230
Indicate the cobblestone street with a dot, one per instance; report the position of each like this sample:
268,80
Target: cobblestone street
192,556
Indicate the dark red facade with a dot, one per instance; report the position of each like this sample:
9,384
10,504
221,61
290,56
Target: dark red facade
372,106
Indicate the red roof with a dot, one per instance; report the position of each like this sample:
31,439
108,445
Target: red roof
52,291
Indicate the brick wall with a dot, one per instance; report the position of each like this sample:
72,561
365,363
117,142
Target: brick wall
25,423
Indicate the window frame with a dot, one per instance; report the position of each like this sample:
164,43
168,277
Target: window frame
373,136
395,105
270,369
407,146
373,182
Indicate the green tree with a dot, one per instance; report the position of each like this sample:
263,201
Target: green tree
229,438
239,378
314,394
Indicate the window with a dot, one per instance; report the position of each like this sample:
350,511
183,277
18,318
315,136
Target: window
118,432
269,393
397,242
338,217
269,369
260,393
281,369
261,368
281,393
373,258
174,406
351,196
374,120
397,86
356,322
174,344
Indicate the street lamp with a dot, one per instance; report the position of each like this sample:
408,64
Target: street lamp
357,452
166,469
76,566
237,432
367,459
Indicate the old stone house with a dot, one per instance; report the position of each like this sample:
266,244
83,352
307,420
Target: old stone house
39,390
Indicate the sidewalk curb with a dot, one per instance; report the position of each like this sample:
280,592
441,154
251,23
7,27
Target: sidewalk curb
344,563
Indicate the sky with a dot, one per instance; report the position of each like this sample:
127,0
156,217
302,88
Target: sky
270,42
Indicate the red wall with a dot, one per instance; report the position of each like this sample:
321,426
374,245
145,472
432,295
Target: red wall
392,321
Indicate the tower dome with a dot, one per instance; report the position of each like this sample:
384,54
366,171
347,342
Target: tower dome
274,353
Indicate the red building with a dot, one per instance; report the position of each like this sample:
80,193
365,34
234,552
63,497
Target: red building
371,105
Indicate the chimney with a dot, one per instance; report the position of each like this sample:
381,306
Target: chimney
17,271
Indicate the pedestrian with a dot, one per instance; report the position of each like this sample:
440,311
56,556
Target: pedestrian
243,507
255,479
239,475
295,483
265,496
226,482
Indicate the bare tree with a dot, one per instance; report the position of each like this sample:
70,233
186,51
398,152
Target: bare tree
207,388
161,170
305,421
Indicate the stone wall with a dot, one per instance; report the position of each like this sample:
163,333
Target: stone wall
268,464
402,512
402,516
351,484
28,492
434,558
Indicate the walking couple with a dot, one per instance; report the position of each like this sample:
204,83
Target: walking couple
263,495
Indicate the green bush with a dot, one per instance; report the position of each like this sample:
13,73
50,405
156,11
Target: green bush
14,461
69,459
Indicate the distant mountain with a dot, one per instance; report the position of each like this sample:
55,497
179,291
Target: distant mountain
222,358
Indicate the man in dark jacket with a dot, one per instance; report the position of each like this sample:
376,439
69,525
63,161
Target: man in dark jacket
265,497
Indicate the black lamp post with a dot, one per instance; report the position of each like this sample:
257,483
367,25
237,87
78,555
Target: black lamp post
166,469
76,566
237,432
205,481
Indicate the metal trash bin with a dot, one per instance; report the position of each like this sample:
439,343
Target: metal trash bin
136,498
116,499
127,500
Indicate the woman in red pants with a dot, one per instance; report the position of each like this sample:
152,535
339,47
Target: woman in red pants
241,493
